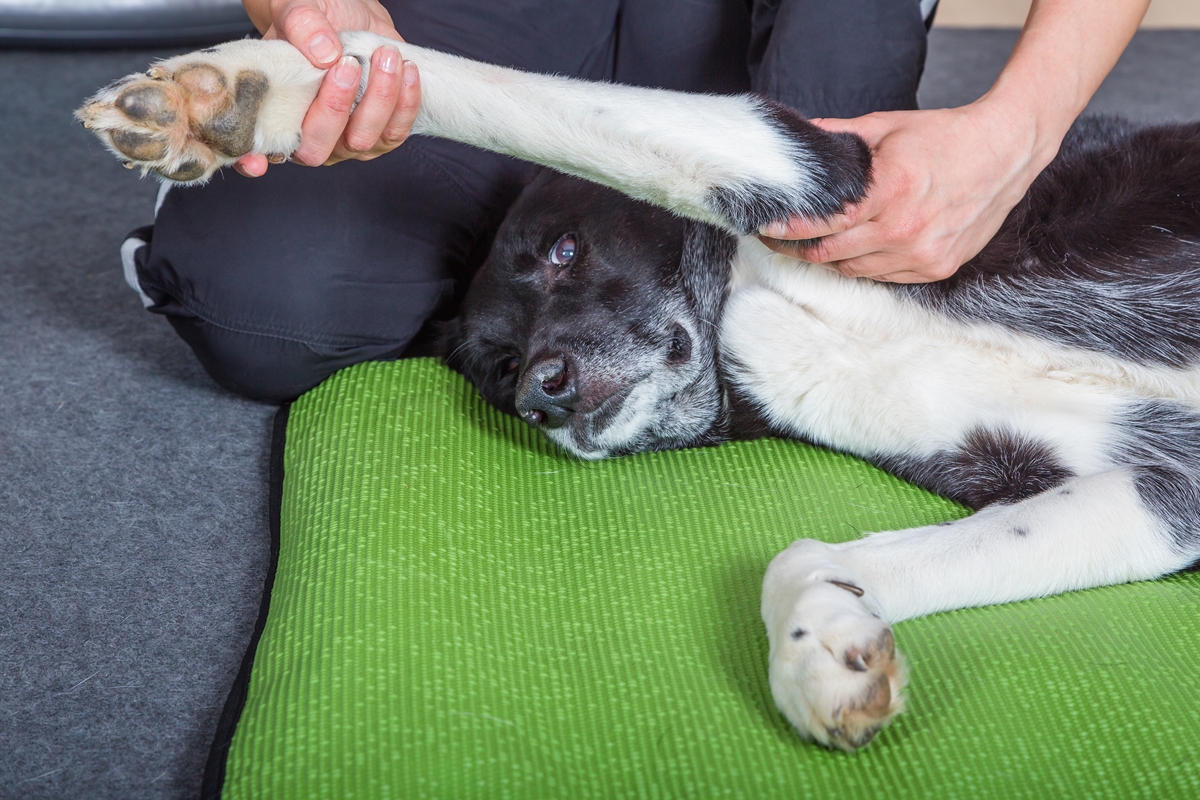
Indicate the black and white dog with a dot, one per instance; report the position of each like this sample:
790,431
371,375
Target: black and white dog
1054,382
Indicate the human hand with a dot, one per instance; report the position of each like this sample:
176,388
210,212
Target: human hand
330,133
943,182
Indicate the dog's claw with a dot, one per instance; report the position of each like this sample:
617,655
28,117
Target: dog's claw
849,587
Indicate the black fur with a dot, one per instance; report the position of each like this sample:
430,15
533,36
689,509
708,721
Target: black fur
1103,253
839,164
1161,441
743,420
704,273
990,467
610,314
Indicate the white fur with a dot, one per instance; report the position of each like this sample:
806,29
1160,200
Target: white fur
848,363
665,147
824,355
855,366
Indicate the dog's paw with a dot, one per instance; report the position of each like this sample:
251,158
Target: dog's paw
834,669
182,123
188,116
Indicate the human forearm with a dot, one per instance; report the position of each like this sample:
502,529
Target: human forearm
1065,50
945,179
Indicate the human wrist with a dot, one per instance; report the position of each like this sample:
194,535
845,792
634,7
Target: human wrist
1065,50
1013,138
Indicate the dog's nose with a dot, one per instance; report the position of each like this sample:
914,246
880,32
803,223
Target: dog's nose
546,394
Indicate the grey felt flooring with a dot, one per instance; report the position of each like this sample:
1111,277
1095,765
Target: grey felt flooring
133,533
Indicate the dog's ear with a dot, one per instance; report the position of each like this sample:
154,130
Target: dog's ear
450,336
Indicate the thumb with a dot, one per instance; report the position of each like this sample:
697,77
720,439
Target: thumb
870,128
832,124
304,25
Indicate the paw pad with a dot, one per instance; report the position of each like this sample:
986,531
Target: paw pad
183,123
139,146
148,104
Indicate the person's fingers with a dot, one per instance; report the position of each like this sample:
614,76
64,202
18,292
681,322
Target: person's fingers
805,228
328,114
252,165
396,128
904,276
894,267
377,105
852,270
304,24
407,106
868,237
885,267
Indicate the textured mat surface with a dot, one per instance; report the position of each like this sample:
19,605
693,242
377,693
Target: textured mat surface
460,611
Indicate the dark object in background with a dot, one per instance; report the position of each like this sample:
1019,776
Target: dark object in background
120,23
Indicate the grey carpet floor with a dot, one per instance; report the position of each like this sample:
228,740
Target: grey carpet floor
133,537
133,532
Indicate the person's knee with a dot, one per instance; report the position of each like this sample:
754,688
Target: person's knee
270,368
275,287
825,60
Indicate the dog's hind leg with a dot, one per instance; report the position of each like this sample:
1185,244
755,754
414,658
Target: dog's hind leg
833,669
737,162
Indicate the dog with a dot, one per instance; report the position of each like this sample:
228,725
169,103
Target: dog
1052,384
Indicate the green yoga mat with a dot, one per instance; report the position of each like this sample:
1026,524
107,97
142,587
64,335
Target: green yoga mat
460,611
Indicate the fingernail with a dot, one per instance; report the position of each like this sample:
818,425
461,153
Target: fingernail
347,73
389,60
774,229
322,48
410,73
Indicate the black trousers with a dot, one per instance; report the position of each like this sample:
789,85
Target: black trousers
277,282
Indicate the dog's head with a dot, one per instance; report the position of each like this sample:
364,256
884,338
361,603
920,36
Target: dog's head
583,323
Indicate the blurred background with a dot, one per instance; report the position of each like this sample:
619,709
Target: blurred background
1011,14
117,23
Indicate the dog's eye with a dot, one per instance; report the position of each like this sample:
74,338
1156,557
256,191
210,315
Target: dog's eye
508,366
679,350
563,251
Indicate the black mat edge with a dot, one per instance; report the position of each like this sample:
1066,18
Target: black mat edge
214,769
50,28
118,39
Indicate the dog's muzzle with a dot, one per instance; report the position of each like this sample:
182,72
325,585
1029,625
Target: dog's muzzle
547,393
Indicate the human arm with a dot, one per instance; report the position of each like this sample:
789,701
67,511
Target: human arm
383,118
944,180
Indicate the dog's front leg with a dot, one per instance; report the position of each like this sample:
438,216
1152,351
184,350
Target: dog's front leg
737,162
834,672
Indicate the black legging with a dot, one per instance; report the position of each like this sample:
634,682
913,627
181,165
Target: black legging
277,282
